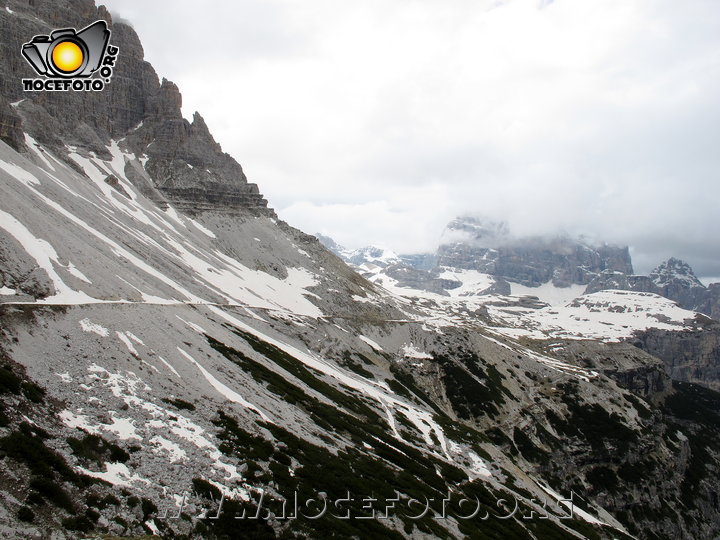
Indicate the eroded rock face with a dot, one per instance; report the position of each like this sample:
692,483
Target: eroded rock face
187,165
473,244
711,303
691,355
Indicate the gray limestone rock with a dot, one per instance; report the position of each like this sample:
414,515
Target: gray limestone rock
691,355
474,244
186,165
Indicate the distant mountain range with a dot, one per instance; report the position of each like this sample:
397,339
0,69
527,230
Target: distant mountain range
486,247
575,285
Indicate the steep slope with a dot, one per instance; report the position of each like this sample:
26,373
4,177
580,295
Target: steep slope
176,361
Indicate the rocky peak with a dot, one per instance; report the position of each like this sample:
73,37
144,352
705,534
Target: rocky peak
675,271
330,244
478,231
374,255
169,100
186,165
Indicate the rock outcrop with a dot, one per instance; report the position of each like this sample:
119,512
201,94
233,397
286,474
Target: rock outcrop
189,168
689,355
711,304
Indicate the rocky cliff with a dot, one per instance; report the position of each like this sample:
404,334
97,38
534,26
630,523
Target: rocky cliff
474,244
691,355
186,164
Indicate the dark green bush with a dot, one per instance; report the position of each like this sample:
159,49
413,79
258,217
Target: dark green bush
9,381
148,508
205,489
78,523
25,445
53,493
180,404
33,392
94,448
26,514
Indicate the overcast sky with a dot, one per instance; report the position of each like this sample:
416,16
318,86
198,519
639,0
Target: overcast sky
379,121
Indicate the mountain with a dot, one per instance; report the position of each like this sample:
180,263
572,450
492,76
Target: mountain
176,361
488,247
472,247
369,256
673,279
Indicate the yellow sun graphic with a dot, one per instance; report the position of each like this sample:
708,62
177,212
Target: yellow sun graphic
67,56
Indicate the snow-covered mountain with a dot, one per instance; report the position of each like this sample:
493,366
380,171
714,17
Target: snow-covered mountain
368,256
673,279
489,247
176,361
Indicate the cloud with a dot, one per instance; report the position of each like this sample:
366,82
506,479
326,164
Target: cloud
388,118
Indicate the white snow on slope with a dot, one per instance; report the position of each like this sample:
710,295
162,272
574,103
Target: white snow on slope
386,399
220,274
202,229
37,150
472,281
549,293
228,393
409,351
19,173
128,342
572,509
174,451
79,421
46,258
371,343
552,363
129,387
117,474
479,467
607,315
124,428
89,326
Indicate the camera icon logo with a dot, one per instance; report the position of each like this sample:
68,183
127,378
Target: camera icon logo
66,53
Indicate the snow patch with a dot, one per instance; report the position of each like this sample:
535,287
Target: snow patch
409,351
371,343
88,326
161,444
202,229
79,421
228,393
574,510
117,474
19,173
124,428
549,293
478,465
